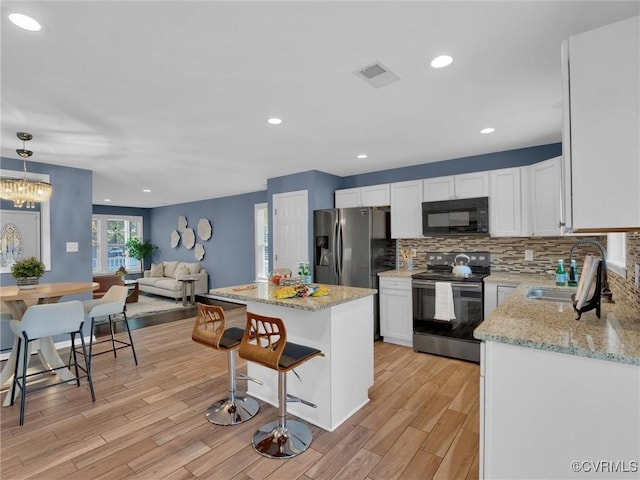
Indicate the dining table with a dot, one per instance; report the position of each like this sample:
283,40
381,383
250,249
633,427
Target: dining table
17,301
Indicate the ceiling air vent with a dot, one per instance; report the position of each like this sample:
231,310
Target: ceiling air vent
377,75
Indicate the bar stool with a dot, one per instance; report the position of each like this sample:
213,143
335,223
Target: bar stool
209,330
110,308
265,342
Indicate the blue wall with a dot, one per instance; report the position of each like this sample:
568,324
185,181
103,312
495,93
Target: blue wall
70,222
229,253
476,163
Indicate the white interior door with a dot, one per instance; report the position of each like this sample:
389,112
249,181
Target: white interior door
290,229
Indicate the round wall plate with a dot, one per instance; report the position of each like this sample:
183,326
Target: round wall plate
175,239
182,223
199,251
188,238
204,229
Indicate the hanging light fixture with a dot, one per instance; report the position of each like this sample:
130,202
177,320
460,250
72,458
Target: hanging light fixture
22,190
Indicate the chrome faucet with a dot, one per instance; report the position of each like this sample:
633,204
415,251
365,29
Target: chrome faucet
605,291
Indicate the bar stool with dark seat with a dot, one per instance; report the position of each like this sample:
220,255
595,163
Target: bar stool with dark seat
265,342
210,330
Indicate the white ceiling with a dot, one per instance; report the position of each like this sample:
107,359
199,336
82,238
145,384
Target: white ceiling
174,96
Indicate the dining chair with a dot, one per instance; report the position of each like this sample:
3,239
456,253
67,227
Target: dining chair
47,320
110,308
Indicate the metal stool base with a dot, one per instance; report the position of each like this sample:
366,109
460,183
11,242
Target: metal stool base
228,412
275,441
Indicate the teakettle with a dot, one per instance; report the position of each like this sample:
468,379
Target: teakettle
460,267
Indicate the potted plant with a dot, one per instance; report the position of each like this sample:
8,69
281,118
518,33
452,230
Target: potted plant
27,272
121,272
140,250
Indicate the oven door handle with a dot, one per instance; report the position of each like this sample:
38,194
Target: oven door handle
432,285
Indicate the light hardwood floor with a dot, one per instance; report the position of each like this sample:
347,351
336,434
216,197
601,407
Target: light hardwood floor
148,421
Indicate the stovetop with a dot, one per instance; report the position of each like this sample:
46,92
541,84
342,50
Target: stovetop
439,267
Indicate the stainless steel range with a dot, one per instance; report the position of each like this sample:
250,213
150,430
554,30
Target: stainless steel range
453,338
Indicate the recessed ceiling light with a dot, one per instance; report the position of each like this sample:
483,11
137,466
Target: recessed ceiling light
146,190
24,22
107,199
441,61
274,121
362,155
484,131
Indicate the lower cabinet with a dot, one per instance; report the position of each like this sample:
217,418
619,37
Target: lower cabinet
396,310
550,415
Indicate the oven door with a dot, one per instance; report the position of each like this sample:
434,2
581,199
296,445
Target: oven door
467,304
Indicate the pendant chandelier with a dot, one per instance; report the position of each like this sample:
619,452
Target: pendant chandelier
23,191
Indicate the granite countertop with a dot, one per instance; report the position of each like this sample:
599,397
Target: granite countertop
548,325
264,292
401,272
517,278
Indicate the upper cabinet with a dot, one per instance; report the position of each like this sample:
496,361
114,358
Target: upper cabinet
505,202
406,209
544,198
601,145
370,196
468,185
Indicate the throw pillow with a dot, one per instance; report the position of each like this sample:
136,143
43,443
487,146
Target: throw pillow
170,269
182,271
193,268
156,270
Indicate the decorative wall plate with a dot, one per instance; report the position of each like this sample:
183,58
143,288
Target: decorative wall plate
182,223
188,238
175,239
199,251
204,229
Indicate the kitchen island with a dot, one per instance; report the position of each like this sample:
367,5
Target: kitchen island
341,325
559,398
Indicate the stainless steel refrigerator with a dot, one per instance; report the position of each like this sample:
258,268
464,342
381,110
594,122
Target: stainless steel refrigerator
352,245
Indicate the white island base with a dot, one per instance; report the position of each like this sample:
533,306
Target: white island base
337,383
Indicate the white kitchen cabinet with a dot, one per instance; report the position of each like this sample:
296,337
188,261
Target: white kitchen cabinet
505,202
544,201
406,209
468,185
541,410
396,310
601,147
369,196
348,197
495,293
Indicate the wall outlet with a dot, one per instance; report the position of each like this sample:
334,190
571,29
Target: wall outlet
528,255
414,252
72,246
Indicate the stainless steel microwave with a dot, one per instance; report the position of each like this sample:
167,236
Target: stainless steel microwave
464,216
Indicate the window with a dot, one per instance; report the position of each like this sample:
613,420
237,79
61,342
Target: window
109,235
261,222
617,253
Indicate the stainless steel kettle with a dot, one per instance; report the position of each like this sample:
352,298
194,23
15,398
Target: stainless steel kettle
460,265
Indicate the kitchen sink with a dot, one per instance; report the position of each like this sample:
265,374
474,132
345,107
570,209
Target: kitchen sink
550,294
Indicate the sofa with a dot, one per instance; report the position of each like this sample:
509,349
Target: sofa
164,279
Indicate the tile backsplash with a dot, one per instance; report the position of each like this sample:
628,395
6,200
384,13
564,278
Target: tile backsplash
507,255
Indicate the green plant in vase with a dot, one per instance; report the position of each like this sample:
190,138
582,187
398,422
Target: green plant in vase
27,272
140,250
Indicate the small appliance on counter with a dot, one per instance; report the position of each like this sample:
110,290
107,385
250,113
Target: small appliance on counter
453,337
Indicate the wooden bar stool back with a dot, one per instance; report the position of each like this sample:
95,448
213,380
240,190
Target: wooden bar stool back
210,330
265,342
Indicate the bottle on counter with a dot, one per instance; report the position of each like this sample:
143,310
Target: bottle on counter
561,275
573,274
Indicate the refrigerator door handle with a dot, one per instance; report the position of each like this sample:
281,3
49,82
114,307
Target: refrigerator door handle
339,253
